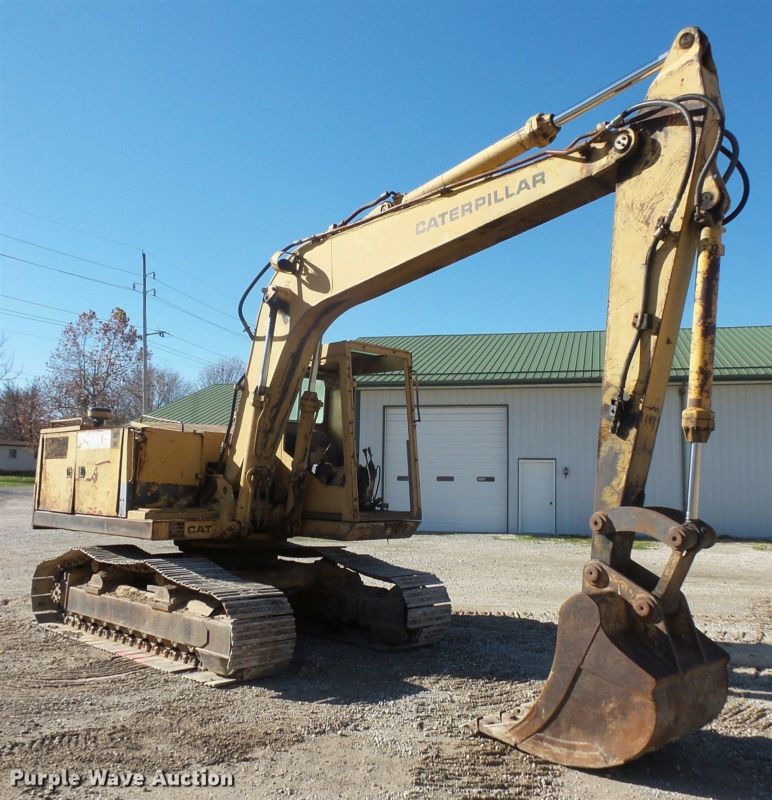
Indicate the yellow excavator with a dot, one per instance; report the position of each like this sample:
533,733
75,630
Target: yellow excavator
631,671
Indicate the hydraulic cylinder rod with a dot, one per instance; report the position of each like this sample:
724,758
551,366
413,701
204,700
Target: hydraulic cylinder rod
610,91
538,131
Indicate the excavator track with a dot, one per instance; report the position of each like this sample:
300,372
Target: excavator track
198,618
349,596
422,609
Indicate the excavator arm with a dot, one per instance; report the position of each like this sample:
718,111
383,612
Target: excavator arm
631,671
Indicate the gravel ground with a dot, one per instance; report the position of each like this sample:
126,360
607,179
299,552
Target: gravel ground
347,722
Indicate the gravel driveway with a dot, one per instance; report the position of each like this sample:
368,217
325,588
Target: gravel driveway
347,722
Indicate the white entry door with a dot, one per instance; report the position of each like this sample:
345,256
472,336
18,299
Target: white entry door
536,495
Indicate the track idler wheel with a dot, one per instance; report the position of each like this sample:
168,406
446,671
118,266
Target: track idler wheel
620,686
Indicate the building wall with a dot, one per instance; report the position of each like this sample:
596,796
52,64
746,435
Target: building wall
737,463
24,461
561,422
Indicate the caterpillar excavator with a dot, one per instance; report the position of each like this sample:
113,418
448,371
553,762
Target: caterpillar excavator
631,671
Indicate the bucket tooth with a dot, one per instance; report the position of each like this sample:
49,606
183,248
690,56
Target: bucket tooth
618,688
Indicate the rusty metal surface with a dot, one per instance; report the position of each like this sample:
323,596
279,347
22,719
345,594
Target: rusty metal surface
615,691
116,526
643,196
665,525
406,608
252,634
424,602
698,419
56,471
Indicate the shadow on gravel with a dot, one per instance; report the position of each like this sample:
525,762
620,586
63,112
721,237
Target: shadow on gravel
704,764
491,648
757,655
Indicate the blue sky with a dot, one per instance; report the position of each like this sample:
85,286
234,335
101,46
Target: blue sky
212,133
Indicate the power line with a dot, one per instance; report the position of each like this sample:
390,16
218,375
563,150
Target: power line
195,359
42,305
189,274
71,227
32,317
76,313
35,318
54,308
109,266
65,272
192,297
33,335
196,344
28,374
69,255
191,314
113,241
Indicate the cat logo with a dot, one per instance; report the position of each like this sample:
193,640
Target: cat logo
199,528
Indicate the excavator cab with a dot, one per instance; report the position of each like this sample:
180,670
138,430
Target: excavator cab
340,479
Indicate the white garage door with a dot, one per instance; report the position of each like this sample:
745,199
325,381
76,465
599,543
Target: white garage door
462,452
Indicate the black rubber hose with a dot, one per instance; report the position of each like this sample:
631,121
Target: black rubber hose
746,189
244,297
733,156
226,439
662,227
711,160
684,112
380,199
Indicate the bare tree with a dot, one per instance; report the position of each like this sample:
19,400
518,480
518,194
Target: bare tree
95,363
7,372
167,385
226,370
164,387
23,412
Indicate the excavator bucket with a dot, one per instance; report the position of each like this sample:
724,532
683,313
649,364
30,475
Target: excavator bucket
619,686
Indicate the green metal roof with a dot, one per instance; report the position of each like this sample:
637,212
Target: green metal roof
512,358
564,357
210,406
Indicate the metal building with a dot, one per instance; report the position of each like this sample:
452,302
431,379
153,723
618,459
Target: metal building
509,422
508,432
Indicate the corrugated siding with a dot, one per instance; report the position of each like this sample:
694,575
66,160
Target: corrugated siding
737,463
562,423
544,422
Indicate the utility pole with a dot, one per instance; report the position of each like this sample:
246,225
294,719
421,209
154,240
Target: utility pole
145,334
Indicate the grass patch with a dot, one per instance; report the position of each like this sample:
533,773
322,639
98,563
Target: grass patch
16,480
645,544
761,546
